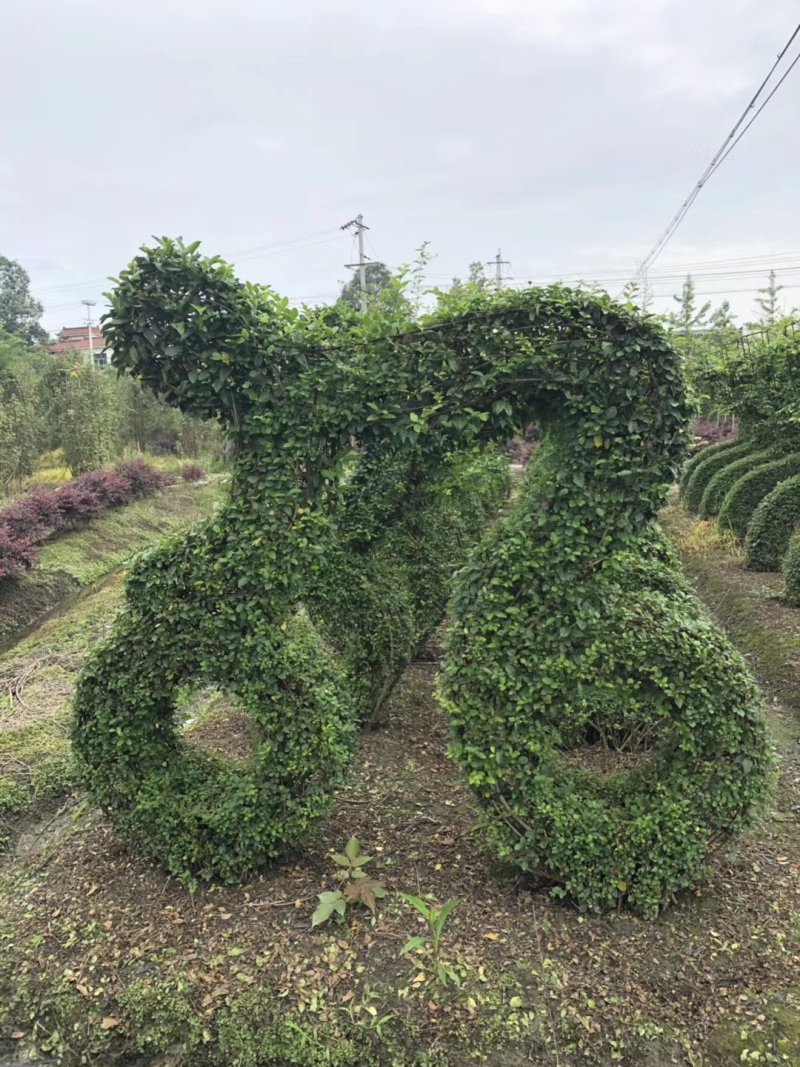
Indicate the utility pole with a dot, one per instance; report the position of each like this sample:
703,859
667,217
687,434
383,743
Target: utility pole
499,263
358,222
644,291
89,304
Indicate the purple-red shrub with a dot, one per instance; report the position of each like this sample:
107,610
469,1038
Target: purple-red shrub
15,556
708,432
33,518
46,512
110,487
78,503
193,472
143,478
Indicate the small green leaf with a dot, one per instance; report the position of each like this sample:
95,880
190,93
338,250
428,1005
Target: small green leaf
413,944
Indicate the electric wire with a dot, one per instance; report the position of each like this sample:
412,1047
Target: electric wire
722,153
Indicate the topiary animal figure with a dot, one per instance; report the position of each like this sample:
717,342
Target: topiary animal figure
609,730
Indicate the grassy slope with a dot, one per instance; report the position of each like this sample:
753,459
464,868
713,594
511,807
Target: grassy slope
36,683
77,560
37,675
236,977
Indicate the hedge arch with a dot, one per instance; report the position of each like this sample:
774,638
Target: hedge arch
571,625
722,481
746,494
702,468
772,525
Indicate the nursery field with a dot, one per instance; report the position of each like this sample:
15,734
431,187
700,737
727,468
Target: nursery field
108,960
360,776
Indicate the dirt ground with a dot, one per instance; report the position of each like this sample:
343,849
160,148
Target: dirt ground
125,965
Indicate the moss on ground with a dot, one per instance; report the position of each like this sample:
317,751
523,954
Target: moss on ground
772,1038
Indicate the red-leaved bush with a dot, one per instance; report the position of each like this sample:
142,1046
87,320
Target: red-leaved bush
708,432
193,472
15,556
46,512
143,478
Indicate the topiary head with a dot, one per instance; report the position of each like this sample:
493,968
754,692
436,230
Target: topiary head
185,325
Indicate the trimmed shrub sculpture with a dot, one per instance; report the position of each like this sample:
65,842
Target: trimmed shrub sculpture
772,526
746,494
609,730
699,471
724,479
702,465
388,574
791,571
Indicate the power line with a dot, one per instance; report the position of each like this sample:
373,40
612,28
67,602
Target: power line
294,247
783,78
726,292
721,154
258,249
244,255
770,261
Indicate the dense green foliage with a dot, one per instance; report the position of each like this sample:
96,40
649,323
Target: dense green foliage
20,312
87,420
90,414
791,571
746,494
772,525
572,631
701,469
724,478
756,378
402,531
20,428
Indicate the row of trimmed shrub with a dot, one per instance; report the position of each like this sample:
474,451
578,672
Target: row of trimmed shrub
44,513
755,493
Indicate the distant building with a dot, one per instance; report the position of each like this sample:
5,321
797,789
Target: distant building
76,339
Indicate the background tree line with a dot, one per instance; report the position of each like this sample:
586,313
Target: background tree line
90,414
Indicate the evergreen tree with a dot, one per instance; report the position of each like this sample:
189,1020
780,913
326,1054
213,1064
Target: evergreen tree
768,301
689,317
377,278
19,311
722,318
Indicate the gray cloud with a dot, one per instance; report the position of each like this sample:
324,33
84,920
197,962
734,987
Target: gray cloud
566,132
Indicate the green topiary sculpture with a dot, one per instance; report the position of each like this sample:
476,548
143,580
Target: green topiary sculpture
772,525
609,730
746,494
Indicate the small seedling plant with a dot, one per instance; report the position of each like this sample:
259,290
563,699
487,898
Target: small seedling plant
357,888
427,947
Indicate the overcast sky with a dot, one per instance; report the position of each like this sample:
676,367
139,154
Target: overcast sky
565,132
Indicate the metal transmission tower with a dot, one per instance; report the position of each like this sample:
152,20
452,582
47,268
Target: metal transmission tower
358,222
498,263
89,304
